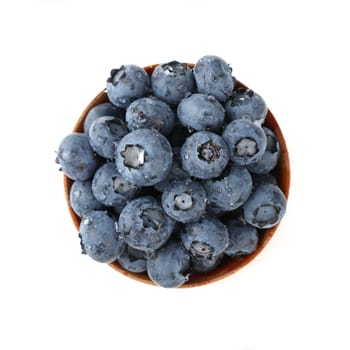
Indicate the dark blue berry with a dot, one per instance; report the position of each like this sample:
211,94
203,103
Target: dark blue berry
144,157
144,225
205,238
126,84
213,76
246,141
169,266
99,237
265,207
76,157
201,112
246,104
172,81
152,113
230,190
82,199
204,155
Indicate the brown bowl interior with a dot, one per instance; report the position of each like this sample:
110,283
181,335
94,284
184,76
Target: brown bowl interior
228,265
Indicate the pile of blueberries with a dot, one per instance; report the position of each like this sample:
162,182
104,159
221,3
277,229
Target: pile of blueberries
174,173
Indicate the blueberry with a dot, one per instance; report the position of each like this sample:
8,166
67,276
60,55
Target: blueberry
76,157
133,260
204,155
152,113
201,112
110,188
206,238
172,81
99,238
243,238
246,141
213,77
144,225
269,159
207,263
105,134
82,199
169,266
230,190
105,109
247,104
184,200
265,207
144,157
126,84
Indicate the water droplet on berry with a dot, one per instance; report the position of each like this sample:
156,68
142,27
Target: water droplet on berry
101,140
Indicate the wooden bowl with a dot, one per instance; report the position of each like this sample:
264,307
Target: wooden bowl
229,265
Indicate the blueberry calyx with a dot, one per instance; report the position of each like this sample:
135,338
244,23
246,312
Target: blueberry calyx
116,127
201,250
174,68
122,186
152,218
246,147
266,214
208,151
183,201
116,75
134,156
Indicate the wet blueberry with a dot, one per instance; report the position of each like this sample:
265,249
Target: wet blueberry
265,207
201,112
246,104
169,266
152,113
205,238
126,84
99,238
246,141
230,190
204,155
172,81
144,224
82,199
144,157
76,157
213,76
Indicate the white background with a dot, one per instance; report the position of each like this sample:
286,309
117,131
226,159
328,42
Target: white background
55,57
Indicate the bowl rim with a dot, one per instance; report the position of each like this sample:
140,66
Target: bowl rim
232,265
